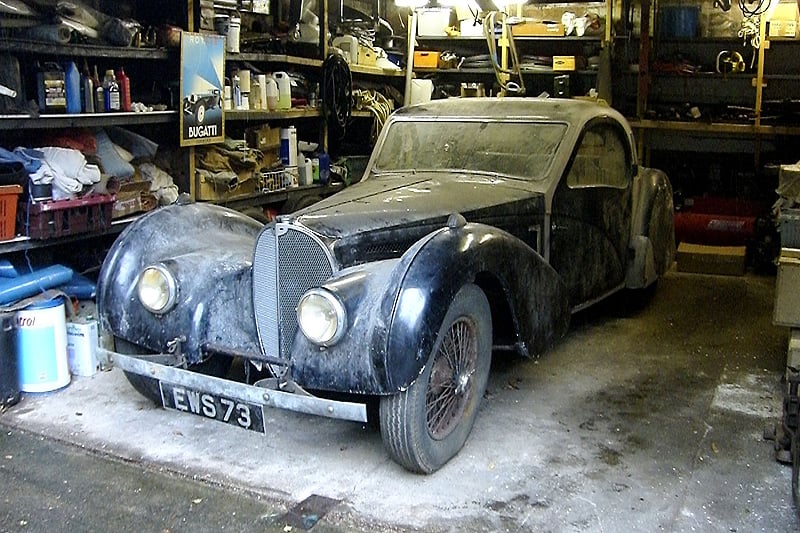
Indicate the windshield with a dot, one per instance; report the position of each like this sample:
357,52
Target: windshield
517,149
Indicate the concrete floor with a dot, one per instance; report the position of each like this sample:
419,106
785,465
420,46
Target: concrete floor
648,420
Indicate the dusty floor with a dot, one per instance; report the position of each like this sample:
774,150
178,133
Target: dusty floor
648,420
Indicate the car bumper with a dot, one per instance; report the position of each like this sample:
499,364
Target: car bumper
264,393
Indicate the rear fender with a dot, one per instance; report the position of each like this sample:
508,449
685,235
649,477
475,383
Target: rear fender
653,232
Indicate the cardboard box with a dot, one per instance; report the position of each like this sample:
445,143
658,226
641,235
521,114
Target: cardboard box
538,29
783,22
206,190
367,56
563,63
787,289
426,59
704,259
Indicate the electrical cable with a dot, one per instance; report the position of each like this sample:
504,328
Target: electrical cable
377,104
337,92
500,73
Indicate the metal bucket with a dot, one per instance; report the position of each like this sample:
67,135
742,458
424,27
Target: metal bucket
9,375
42,346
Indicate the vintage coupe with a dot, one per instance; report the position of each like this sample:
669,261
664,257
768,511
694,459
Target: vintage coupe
480,225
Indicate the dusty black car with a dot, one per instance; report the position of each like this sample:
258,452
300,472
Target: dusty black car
480,226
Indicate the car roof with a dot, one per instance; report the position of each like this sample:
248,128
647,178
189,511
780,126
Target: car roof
571,111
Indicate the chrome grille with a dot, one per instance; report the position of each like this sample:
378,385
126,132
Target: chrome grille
288,261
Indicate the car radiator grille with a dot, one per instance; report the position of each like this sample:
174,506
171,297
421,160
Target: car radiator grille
288,261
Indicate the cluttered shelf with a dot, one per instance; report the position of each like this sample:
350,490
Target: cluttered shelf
85,120
489,71
715,127
479,38
260,198
21,243
12,45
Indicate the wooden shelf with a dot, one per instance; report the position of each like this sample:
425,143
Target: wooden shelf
85,120
303,112
715,128
376,71
274,58
19,46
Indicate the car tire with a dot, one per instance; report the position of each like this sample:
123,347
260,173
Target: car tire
423,443
200,113
217,366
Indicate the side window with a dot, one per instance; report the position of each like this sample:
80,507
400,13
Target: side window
601,159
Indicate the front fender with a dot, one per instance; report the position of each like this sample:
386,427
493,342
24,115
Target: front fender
396,308
209,250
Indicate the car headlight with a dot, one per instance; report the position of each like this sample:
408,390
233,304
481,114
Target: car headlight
157,289
322,317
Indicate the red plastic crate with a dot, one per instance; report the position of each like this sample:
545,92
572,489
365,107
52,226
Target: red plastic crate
57,218
8,210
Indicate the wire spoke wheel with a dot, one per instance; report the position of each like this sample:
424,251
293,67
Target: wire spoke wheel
426,425
450,383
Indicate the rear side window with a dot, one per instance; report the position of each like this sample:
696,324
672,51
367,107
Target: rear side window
601,159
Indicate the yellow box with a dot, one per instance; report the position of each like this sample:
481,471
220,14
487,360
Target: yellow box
564,63
425,59
366,56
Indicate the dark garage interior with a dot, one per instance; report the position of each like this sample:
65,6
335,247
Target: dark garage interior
399,265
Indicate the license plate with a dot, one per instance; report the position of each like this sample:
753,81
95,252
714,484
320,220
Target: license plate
235,412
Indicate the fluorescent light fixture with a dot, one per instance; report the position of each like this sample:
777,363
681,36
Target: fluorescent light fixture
414,4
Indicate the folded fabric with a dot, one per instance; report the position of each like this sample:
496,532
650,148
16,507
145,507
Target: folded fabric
141,147
110,161
29,158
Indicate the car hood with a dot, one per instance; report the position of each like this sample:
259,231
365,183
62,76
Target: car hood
397,200
382,217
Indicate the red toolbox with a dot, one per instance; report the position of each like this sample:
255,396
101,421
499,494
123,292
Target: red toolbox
57,218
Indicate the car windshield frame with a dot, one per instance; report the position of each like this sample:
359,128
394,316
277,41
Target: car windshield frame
433,144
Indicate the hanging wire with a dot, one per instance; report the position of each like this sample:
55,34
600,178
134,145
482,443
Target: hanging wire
500,73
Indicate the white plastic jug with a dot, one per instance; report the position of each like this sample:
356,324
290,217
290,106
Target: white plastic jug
284,90
271,93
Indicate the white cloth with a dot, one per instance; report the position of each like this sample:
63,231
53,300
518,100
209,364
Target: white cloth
70,171
161,183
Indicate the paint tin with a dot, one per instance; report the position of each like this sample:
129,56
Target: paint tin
82,340
42,347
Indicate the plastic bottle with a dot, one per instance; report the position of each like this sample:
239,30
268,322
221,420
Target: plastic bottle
237,92
272,93
124,89
72,80
284,90
87,90
111,94
99,96
51,88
